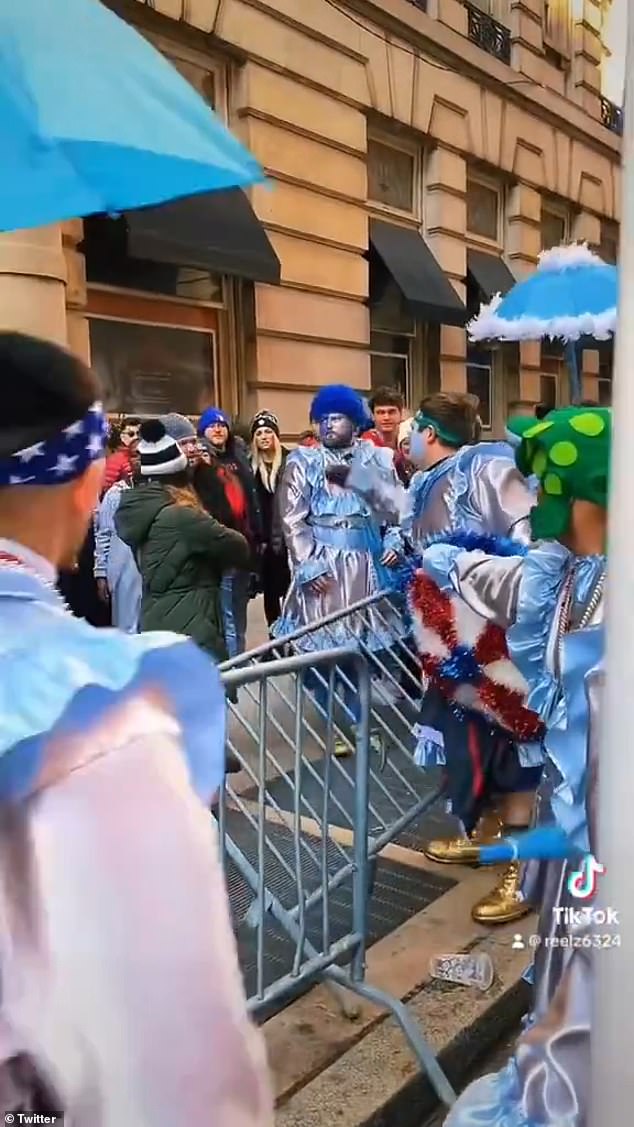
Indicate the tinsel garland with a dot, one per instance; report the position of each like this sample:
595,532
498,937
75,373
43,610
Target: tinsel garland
465,664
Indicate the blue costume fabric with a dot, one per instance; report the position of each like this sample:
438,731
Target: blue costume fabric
556,658
58,674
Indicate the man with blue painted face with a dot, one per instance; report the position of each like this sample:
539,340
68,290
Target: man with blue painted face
464,486
339,550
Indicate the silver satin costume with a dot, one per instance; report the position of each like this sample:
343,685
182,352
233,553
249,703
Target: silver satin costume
546,1083
527,597
478,489
331,532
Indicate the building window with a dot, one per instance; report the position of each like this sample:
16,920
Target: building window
488,34
150,369
552,366
392,331
606,360
480,363
554,227
609,245
391,176
483,209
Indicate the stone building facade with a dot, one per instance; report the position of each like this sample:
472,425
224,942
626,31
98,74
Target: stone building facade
420,154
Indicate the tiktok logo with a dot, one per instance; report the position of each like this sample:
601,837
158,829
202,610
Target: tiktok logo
582,884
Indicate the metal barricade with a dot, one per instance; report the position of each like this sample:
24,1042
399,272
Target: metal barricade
287,866
400,792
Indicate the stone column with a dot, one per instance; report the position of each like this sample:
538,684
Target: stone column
76,294
522,249
33,283
586,228
586,59
445,228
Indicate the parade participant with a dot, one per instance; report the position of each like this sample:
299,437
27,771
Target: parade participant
117,957
549,601
338,551
232,462
546,1081
476,489
268,459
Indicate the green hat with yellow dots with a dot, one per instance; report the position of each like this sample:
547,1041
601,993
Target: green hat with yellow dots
569,453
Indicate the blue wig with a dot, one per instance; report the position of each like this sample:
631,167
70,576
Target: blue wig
338,399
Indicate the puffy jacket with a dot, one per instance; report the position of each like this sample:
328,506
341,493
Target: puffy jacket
118,467
181,553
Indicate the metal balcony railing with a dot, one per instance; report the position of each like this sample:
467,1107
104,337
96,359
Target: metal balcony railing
612,116
491,36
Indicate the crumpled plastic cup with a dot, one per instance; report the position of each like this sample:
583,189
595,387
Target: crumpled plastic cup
463,970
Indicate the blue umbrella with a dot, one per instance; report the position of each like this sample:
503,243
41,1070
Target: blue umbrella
572,294
94,119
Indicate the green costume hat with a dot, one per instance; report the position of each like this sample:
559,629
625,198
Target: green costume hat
569,453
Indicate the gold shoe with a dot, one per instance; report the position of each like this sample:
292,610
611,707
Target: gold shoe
466,850
504,903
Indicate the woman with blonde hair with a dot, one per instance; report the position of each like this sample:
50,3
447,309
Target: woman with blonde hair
180,550
268,458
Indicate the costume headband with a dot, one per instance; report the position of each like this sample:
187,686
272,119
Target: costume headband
421,421
61,458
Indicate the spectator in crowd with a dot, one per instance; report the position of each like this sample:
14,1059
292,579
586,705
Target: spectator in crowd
116,572
403,465
119,463
204,469
387,406
268,459
234,469
182,552
308,438
112,748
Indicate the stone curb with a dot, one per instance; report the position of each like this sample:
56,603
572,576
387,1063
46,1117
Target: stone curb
377,1083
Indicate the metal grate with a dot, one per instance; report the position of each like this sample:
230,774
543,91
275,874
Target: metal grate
392,794
397,893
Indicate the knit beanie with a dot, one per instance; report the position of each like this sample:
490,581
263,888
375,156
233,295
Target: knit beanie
178,426
213,415
158,453
265,419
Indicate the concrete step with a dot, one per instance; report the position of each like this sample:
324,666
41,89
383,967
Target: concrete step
331,1070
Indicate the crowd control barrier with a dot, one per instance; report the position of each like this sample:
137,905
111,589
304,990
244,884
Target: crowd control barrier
301,825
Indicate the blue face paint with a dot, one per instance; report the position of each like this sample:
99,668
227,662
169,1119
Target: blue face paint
418,447
336,431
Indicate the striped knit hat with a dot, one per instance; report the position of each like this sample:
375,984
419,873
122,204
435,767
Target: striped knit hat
158,453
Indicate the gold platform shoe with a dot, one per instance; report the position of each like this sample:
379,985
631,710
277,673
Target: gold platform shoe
465,850
504,904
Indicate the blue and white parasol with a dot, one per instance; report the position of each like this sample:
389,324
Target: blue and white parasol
572,294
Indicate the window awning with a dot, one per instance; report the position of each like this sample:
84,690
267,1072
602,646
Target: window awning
490,273
427,291
218,231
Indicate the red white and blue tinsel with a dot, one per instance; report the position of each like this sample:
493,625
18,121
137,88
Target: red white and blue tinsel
462,655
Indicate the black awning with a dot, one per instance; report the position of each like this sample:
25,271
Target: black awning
218,231
427,291
490,273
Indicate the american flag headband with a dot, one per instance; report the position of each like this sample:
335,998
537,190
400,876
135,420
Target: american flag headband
60,458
